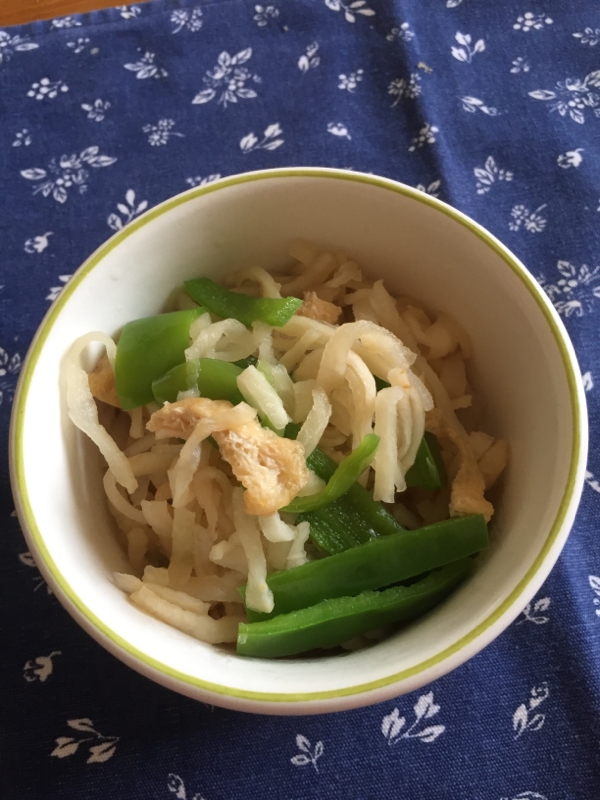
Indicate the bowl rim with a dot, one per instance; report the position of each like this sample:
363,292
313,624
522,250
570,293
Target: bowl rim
424,671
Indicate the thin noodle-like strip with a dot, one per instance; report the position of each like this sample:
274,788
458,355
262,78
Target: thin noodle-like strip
258,595
83,412
317,420
118,501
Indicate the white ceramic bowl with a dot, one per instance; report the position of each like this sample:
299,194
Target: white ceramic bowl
525,368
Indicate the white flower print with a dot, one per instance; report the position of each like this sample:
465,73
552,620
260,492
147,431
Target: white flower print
190,19
350,9
474,104
10,366
22,138
310,59
307,754
521,720
127,211
432,189
200,181
572,158
425,136
65,22
575,292
526,796
588,385
453,3
593,483
56,290
530,21
350,81
129,12
265,14
403,33
14,44
466,52
66,172
594,579
27,559
489,174
425,708
41,668
338,129
103,748
532,612
268,142
45,89
146,68
573,96
96,110
589,36
531,221
401,87
520,64
37,244
228,80
160,133
176,785
78,45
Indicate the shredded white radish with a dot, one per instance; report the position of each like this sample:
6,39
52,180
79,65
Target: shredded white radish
126,583
296,353
259,393
181,564
84,413
157,516
388,477
275,529
200,627
182,473
122,505
316,274
268,285
297,554
227,331
258,595
317,420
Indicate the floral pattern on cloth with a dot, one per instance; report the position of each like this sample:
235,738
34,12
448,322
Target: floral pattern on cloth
492,107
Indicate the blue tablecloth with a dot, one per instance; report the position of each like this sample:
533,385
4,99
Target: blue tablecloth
495,108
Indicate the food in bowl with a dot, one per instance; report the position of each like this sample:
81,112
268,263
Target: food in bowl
286,461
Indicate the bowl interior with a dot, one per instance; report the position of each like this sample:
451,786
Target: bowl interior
522,367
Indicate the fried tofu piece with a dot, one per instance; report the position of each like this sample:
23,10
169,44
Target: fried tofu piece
315,308
180,418
468,487
271,469
102,383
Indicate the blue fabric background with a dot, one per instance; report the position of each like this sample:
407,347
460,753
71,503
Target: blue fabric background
495,108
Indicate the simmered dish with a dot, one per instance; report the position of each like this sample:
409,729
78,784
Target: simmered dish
294,460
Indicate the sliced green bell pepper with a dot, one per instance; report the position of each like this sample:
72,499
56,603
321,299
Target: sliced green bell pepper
345,475
148,348
226,304
337,620
353,519
378,563
214,378
428,470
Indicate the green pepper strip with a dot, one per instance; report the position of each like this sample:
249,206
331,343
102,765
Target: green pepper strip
428,470
346,474
147,349
226,304
353,519
334,621
378,563
215,379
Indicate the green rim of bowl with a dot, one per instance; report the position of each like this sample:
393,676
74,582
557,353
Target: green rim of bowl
22,391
